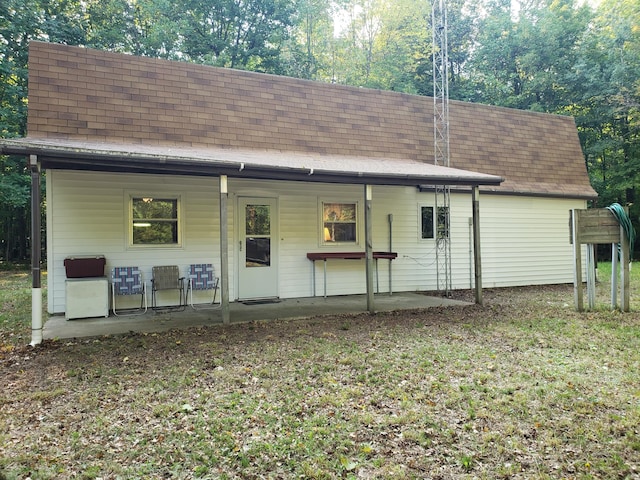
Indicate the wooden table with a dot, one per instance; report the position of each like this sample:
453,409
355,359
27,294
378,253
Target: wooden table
324,256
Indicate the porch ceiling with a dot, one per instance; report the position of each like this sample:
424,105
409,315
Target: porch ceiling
73,154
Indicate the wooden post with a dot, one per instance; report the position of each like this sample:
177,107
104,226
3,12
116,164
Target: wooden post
614,276
477,262
224,251
36,259
577,262
591,276
624,271
597,226
368,247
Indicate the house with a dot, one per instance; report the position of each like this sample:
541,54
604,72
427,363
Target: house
252,172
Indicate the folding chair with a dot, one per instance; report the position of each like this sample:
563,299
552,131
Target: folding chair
128,281
167,277
202,276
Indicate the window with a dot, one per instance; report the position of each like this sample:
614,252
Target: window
339,222
155,221
258,235
443,222
426,220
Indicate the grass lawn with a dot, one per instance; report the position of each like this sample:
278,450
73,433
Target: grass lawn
524,387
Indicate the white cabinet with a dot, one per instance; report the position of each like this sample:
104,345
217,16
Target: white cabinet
87,297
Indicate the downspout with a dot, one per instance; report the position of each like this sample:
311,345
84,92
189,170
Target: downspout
36,285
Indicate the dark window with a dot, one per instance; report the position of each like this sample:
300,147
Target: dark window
258,235
426,217
155,221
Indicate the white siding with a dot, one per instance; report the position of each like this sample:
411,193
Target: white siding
87,215
524,239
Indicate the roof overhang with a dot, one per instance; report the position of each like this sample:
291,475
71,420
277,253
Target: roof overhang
74,154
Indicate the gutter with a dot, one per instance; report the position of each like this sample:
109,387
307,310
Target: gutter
125,161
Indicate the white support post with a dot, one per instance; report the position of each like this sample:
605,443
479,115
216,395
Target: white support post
224,251
368,246
36,290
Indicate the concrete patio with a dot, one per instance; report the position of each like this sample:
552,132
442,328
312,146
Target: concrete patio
56,327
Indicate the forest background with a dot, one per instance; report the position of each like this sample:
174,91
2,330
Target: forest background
557,56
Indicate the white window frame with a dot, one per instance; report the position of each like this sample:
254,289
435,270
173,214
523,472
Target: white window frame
433,220
129,216
321,228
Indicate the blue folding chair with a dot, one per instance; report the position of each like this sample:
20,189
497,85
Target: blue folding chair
128,281
202,276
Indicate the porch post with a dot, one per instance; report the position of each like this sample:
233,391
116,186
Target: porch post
224,250
477,264
36,285
368,247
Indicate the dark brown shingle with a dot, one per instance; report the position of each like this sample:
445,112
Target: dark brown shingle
92,95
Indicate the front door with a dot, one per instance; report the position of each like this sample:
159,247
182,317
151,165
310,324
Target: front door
258,248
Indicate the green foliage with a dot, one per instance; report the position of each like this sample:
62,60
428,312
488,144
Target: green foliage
309,51
607,74
524,59
556,56
22,21
234,34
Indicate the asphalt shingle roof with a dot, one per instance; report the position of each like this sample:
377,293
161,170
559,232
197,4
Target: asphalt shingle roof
100,98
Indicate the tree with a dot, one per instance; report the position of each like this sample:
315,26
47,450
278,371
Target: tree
402,46
384,44
234,33
141,27
608,71
546,55
308,53
525,57
20,22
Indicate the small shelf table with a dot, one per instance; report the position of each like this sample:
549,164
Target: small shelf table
324,256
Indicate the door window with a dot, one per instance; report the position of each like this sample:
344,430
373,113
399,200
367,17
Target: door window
257,236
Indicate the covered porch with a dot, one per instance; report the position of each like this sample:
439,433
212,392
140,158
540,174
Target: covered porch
56,327
222,164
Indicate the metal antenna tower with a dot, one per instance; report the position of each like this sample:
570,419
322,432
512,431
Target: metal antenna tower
441,141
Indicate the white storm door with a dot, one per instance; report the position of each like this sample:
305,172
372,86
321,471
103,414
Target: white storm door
258,248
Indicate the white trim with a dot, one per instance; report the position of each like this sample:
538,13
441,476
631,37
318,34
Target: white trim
422,205
358,222
36,316
128,202
239,253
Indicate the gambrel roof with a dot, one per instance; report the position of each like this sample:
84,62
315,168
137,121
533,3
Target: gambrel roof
142,113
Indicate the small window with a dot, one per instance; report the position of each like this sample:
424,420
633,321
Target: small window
154,221
339,222
426,221
443,222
